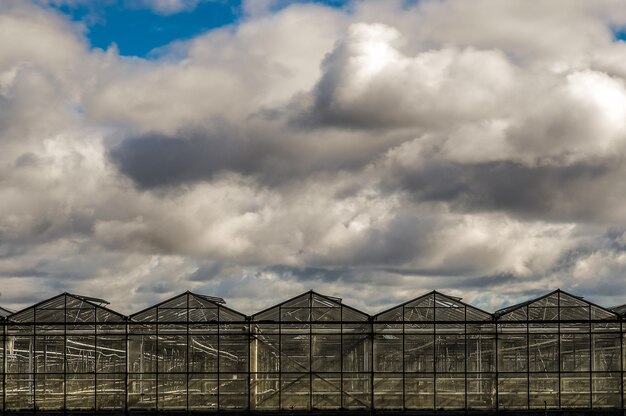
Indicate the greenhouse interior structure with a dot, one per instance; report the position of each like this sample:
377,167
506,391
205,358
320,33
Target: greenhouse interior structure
313,354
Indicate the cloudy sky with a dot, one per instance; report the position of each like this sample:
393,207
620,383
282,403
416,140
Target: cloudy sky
371,150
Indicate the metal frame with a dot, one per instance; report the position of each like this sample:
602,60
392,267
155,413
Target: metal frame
312,353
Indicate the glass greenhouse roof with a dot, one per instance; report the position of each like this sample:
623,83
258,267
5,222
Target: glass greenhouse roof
189,307
67,308
311,307
554,306
434,307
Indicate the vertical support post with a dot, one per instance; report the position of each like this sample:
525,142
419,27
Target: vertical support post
591,358
4,367
95,358
372,339
497,367
219,363
528,359
621,363
403,365
187,346
341,390
157,357
250,348
310,323
126,330
465,356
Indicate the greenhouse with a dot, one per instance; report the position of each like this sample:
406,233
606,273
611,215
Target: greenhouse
313,354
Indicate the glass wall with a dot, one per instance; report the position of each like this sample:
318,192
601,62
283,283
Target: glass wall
434,352
559,352
191,353
188,353
311,353
54,350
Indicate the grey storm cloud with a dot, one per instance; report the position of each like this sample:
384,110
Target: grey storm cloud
158,160
371,152
556,193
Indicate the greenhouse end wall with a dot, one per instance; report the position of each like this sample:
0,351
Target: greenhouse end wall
312,353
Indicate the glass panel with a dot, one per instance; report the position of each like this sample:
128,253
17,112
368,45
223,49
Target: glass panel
272,314
481,356
142,353
575,352
204,314
543,352
178,302
233,353
606,352
110,391
326,353
233,391
326,391
302,301
80,354
2,371
295,391
230,315
106,315
599,313
145,316
388,353
449,353
417,314
265,391
349,314
512,391
512,353
606,390
295,353
172,391
419,391
80,392
566,300
543,313
111,354
49,391
49,354
450,391
20,354
574,326
546,301
394,314
419,353
519,314
544,391
203,391
328,313
474,314
142,391
356,353
388,391
295,314
356,391
165,315
574,314
203,353
419,328
20,390
481,391
450,313
575,390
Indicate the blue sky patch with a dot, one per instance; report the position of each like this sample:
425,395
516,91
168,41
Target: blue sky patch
137,31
